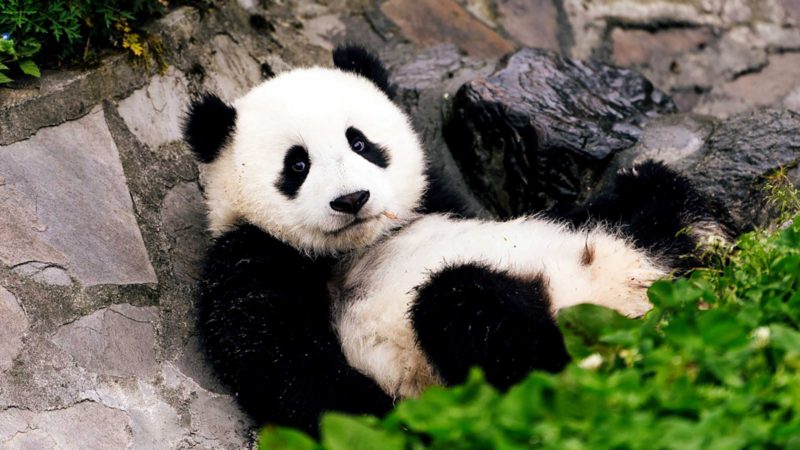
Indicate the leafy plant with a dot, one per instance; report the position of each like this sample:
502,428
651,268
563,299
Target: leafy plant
57,32
782,194
714,365
19,55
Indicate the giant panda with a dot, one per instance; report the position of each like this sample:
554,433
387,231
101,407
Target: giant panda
335,282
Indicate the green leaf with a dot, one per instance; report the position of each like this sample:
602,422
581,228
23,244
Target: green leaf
285,439
3,67
4,79
28,48
29,67
584,325
340,432
7,47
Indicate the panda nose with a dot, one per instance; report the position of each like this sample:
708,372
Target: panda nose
350,203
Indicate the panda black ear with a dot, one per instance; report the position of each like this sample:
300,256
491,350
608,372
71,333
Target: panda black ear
356,59
208,125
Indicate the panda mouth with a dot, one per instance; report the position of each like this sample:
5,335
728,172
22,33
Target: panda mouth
356,222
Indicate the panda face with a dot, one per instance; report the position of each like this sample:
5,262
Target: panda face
316,158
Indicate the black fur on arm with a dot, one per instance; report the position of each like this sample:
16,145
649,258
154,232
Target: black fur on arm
358,60
208,125
265,325
470,315
654,205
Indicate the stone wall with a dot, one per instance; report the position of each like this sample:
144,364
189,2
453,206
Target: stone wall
101,216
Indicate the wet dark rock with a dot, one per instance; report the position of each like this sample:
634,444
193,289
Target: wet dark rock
539,131
727,161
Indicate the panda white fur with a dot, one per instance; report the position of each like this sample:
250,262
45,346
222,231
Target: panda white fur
333,283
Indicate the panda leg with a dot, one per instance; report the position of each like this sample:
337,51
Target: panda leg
658,208
469,315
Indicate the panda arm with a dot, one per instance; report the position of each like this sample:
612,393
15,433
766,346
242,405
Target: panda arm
264,319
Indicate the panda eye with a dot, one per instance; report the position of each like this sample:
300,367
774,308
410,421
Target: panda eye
358,146
299,166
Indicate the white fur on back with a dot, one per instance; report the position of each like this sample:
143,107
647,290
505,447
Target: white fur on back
374,326
313,108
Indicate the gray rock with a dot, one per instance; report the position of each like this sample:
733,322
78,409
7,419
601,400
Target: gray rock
85,425
183,216
64,95
538,132
216,421
230,68
119,340
65,202
727,161
13,326
153,113
43,273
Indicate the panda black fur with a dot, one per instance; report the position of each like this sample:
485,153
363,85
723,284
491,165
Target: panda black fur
314,299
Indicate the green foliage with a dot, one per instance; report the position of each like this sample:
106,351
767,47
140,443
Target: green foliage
58,32
782,194
714,365
18,56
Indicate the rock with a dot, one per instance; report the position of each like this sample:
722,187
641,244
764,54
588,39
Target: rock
85,425
641,46
216,421
154,112
727,161
591,20
533,23
183,216
425,82
43,273
767,87
154,423
538,132
64,95
432,22
792,8
119,341
13,326
65,203
230,68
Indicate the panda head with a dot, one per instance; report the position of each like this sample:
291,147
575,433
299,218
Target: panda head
316,157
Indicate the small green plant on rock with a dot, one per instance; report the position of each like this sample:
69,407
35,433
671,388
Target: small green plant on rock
17,57
69,32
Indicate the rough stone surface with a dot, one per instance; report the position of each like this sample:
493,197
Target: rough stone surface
533,23
154,112
691,49
231,71
63,95
728,161
13,326
768,87
184,219
537,132
65,202
43,273
118,341
641,46
431,22
86,425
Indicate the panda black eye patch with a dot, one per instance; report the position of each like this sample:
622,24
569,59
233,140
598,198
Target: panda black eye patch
367,149
295,170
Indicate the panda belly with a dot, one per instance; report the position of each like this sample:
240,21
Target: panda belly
588,266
